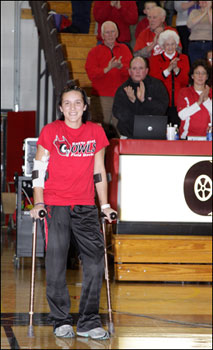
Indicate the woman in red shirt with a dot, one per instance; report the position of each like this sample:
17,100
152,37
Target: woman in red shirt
194,103
71,150
172,69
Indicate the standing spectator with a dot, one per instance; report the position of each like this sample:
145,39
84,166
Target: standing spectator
123,13
200,25
146,44
172,69
144,23
80,17
181,8
107,68
140,94
141,6
194,103
170,11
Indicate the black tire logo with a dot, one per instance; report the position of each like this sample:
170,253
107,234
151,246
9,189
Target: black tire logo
198,188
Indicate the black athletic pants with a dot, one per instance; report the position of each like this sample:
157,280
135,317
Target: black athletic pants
83,222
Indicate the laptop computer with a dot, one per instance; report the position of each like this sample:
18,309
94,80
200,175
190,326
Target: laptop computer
151,127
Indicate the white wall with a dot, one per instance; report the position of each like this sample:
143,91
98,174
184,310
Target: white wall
28,59
7,54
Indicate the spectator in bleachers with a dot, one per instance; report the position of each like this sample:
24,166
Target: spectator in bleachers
194,103
140,94
209,62
200,25
144,23
123,13
107,68
80,17
172,69
146,44
170,11
182,8
141,5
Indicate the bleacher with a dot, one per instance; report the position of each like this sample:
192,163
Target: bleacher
76,46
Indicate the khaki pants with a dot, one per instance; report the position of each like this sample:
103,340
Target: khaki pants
101,109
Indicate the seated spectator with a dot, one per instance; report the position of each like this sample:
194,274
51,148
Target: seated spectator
80,17
144,23
194,103
200,24
182,8
172,69
123,13
146,44
107,68
140,94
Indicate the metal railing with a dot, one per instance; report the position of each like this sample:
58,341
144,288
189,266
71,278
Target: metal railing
55,64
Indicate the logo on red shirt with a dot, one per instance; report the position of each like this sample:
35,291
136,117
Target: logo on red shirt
76,149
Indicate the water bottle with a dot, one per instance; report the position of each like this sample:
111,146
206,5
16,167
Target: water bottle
209,132
176,132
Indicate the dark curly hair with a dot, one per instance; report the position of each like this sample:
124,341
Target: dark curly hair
71,87
197,63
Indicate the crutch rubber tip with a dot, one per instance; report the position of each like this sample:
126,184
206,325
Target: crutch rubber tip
30,332
111,328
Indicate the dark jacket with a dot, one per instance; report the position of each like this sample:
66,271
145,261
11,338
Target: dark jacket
156,103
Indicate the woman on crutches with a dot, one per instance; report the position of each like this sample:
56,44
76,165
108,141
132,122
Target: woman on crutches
70,153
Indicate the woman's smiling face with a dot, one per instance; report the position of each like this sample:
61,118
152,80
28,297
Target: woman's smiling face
72,106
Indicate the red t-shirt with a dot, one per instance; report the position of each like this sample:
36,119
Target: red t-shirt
71,163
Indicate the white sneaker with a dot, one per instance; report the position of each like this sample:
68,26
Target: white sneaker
95,333
65,331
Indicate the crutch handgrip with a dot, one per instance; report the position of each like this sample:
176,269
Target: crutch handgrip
41,213
113,215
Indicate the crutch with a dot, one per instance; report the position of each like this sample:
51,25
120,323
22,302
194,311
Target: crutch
113,216
32,282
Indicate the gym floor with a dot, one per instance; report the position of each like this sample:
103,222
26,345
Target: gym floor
145,315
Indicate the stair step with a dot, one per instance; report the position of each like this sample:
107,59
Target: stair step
78,40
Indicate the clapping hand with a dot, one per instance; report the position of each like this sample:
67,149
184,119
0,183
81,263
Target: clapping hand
157,31
204,95
173,64
114,63
130,93
141,91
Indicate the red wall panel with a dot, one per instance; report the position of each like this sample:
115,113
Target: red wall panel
20,125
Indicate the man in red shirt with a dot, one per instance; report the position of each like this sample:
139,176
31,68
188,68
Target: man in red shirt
144,23
123,13
146,44
107,67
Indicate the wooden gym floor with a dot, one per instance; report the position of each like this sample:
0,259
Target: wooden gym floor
145,315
